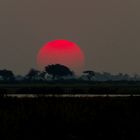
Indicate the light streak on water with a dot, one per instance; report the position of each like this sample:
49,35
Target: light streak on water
71,95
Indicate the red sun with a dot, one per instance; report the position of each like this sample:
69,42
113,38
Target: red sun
61,52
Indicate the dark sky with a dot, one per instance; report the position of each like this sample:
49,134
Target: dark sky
108,31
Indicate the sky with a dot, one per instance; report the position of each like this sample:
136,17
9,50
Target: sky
108,32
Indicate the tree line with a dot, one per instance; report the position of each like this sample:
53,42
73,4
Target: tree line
60,72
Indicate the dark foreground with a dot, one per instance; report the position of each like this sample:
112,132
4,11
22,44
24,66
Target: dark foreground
70,118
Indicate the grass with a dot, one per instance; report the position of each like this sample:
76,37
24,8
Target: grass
69,88
70,118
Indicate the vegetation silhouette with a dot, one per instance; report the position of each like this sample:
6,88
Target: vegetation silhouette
32,74
58,71
90,74
70,118
42,75
44,117
7,75
58,79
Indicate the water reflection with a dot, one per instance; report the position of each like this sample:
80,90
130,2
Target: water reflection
71,95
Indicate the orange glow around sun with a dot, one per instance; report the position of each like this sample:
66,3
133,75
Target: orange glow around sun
61,52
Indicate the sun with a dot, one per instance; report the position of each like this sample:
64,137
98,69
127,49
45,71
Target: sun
62,52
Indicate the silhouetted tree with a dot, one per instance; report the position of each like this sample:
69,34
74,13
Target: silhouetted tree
58,71
32,75
42,75
90,74
7,75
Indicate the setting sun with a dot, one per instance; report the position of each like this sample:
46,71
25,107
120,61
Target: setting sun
61,52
